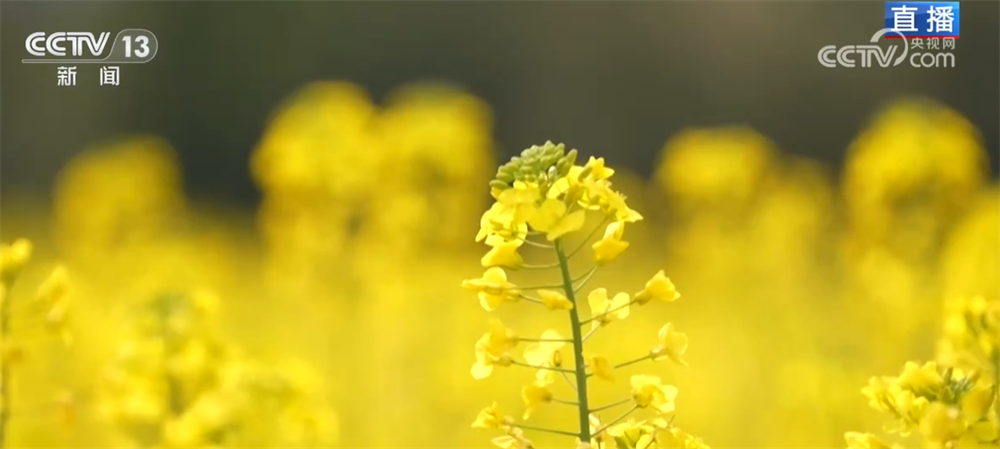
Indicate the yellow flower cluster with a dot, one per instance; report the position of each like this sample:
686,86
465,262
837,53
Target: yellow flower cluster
915,157
339,172
50,306
112,196
971,339
175,385
954,404
542,198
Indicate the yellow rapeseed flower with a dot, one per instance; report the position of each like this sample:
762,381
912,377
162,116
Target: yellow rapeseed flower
491,418
608,310
503,255
977,401
650,392
493,288
496,228
672,346
545,354
659,288
492,349
542,198
942,423
918,378
555,300
611,245
554,219
601,367
675,438
535,395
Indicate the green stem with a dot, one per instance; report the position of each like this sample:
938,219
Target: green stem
611,405
616,420
586,240
586,278
565,402
537,245
539,267
580,364
531,299
543,340
631,362
996,375
542,429
545,368
607,312
569,381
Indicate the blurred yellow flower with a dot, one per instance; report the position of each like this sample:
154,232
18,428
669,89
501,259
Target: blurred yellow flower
921,379
720,167
606,310
491,418
942,423
545,355
535,395
492,350
977,401
555,300
672,346
649,391
675,438
601,367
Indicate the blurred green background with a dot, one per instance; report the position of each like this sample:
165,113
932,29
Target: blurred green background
611,77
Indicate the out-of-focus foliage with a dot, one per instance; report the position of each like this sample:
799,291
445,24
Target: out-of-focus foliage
798,286
175,384
21,319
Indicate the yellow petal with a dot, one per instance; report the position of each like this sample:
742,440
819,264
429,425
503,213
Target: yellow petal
555,300
569,223
481,370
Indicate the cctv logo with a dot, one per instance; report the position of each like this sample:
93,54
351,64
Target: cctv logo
58,44
851,55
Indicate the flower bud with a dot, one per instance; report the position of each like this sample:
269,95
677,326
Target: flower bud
570,157
498,184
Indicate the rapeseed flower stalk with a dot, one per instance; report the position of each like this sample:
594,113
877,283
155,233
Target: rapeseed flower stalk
437,142
50,308
542,197
111,198
316,166
918,164
951,403
909,177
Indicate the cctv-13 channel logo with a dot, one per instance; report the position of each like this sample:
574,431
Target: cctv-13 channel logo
67,48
